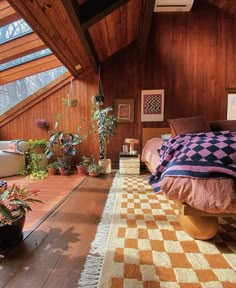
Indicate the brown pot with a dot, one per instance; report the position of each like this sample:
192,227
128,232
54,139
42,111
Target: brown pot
64,171
81,170
94,174
52,171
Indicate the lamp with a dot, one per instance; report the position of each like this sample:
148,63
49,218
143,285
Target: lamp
132,141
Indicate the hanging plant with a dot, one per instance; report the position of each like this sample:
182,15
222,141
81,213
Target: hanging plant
42,124
70,100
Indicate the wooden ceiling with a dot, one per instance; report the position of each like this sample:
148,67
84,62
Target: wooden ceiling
81,33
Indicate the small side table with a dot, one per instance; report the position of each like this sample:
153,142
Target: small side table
129,164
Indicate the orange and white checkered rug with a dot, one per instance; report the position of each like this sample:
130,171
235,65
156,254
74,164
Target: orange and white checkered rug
147,247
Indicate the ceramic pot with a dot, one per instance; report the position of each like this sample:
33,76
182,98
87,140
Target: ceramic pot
94,174
10,235
52,171
64,171
81,170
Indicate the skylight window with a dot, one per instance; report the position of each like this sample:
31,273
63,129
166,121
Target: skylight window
14,92
25,59
14,30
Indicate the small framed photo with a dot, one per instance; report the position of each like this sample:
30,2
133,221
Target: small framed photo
124,110
152,105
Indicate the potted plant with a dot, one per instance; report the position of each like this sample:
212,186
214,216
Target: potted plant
38,147
34,169
64,167
106,122
15,201
53,168
94,168
82,167
63,143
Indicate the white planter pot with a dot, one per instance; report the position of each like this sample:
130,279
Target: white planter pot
106,166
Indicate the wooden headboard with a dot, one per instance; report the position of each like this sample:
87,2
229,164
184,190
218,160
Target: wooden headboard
149,133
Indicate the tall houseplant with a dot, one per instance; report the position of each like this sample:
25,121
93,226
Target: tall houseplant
106,123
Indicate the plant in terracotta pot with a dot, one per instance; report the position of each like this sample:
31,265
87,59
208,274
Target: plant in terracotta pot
15,201
64,167
94,168
83,165
62,143
53,168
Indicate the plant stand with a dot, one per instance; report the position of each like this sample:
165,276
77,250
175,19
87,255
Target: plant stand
106,166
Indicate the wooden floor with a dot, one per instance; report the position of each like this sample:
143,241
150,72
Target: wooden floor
53,254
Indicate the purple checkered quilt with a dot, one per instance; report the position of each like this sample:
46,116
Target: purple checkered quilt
200,155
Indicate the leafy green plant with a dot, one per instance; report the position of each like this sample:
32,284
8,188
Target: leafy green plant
14,201
34,170
54,165
37,146
63,143
93,166
85,161
105,122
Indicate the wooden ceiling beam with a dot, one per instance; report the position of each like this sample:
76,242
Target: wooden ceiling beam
21,46
84,37
7,13
29,68
39,21
145,26
92,11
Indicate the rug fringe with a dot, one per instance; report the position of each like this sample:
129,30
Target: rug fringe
90,275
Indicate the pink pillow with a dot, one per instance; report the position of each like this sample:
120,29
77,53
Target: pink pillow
188,125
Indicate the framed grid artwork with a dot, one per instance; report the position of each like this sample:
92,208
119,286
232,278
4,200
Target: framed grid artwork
152,105
124,110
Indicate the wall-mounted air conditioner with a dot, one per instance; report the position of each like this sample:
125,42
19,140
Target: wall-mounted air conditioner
173,5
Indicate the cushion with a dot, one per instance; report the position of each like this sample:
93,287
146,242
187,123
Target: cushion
188,125
223,125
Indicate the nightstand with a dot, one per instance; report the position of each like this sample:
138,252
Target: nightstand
129,163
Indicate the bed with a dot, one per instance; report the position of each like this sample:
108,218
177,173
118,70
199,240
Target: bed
200,200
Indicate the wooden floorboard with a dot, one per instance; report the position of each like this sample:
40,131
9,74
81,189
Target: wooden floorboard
54,254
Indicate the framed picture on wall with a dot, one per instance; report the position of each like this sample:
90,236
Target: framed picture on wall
231,104
152,105
124,110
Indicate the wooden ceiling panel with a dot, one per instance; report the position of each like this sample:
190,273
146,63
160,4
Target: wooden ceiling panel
228,6
7,13
117,29
29,68
50,20
20,47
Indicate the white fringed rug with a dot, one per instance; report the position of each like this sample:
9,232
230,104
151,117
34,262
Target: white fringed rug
147,248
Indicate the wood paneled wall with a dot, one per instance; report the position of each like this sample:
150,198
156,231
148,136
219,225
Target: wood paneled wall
190,55
23,125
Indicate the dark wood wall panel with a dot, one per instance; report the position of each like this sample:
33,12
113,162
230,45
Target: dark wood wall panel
190,55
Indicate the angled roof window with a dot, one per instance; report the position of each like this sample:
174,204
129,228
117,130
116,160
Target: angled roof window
14,30
14,92
25,59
